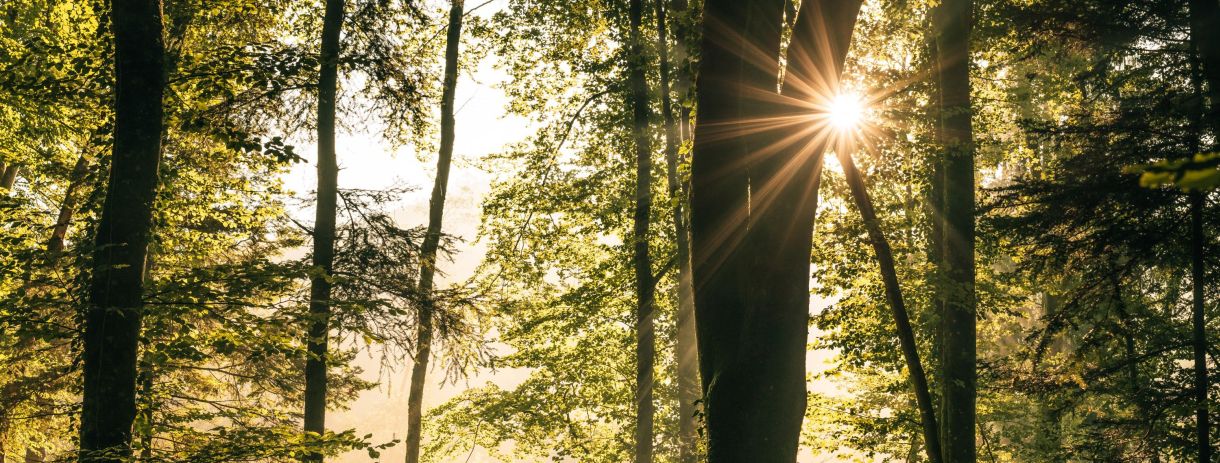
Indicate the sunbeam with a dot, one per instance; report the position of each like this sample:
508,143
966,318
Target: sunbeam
846,111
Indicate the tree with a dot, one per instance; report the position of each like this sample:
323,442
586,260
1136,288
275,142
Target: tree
113,314
953,23
752,216
324,226
645,350
686,354
428,252
1113,313
1205,39
559,224
893,292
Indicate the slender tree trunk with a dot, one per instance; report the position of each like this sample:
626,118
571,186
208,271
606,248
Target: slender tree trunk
952,21
645,350
112,320
680,15
1205,35
432,240
893,292
67,208
1199,325
324,226
752,218
685,355
1205,39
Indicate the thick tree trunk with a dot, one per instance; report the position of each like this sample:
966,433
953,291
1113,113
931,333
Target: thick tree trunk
893,292
952,22
685,354
783,200
324,226
752,209
112,320
67,208
753,395
645,350
432,240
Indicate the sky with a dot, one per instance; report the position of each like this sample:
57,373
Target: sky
367,162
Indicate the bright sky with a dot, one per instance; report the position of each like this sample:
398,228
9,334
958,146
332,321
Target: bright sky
365,161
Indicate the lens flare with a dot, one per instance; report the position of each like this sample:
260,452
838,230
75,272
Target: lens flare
846,111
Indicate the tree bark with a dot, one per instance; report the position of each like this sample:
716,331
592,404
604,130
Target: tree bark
1205,38
752,217
752,404
324,226
685,354
67,208
112,320
645,350
953,23
1199,326
893,292
9,177
432,240
680,14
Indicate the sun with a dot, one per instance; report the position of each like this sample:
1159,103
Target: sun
846,111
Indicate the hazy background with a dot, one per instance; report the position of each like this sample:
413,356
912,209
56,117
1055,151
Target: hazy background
366,161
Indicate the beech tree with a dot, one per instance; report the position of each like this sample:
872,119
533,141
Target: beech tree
953,22
752,215
115,307
432,240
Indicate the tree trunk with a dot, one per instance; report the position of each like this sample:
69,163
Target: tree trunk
952,22
9,177
685,355
679,14
752,404
1205,38
112,320
893,292
67,208
752,217
1205,35
1199,325
324,226
432,240
783,197
645,350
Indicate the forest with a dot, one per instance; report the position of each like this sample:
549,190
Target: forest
606,231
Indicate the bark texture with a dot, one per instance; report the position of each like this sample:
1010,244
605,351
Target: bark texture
67,208
9,176
324,226
432,240
113,315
